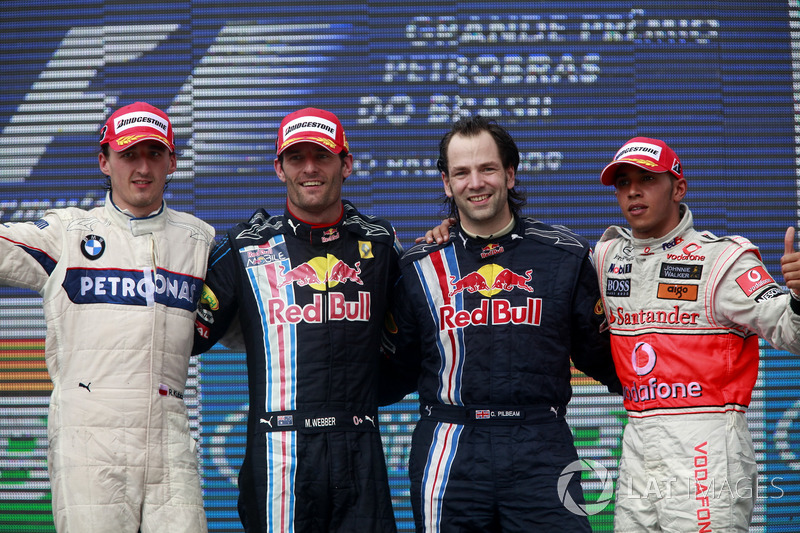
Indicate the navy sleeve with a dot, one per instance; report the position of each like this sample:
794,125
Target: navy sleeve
401,349
591,342
218,304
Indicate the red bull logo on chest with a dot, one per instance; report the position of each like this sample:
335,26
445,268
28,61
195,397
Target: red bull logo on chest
488,281
321,274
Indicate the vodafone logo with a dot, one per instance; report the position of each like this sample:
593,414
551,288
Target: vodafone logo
753,280
643,358
688,253
691,248
643,361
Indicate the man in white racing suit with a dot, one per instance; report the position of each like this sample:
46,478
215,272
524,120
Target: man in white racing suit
120,284
685,310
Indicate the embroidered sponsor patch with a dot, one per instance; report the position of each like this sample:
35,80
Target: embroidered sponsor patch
620,288
769,294
672,291
132,287
754,279
93,247
623,268
681,271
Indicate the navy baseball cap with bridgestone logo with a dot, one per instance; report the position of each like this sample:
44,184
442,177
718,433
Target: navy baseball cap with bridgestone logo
312,125
135,123
646,153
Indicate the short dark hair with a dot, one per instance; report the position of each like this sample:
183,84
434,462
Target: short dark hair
509,155
107,183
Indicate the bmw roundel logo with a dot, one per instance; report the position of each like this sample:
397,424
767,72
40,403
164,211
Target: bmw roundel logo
93,246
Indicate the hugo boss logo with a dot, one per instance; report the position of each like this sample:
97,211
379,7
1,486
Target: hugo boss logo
93,246
619,287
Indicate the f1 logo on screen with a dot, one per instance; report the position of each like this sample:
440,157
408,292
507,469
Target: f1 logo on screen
571,82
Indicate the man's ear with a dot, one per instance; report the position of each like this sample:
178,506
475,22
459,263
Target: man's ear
279,169
511,178
102,160
679,191
446,183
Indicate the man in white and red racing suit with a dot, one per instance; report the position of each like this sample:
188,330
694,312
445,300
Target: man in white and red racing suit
685,310
119,295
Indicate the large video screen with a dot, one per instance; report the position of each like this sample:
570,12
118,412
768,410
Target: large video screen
571,81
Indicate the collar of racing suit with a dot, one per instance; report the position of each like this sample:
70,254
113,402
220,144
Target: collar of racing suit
314,234
503,241
656,244
138,226
496,235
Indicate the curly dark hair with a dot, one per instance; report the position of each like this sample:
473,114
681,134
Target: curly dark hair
509,155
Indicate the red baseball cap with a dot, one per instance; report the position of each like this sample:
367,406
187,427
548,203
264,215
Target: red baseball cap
649,154
312,125
135,123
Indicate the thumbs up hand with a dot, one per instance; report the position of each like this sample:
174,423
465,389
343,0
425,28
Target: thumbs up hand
790,262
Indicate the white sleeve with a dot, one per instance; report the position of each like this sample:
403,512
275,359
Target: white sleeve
29,251
748,297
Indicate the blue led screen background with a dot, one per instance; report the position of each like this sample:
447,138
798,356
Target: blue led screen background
570,80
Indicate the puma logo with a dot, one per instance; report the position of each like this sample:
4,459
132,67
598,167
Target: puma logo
85,386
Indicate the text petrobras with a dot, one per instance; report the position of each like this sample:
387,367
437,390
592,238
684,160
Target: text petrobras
132,287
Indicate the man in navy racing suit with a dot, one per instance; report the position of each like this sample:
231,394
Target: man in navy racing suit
485,327
309,290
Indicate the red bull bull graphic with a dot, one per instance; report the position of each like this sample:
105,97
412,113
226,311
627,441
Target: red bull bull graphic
507,280
489,280
321,273
300,275
472,282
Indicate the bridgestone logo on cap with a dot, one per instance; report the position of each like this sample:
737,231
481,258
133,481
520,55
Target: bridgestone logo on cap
645,149
138,119
303,124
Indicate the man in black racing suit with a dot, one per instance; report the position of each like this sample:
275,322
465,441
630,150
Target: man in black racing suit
309,290
485,326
